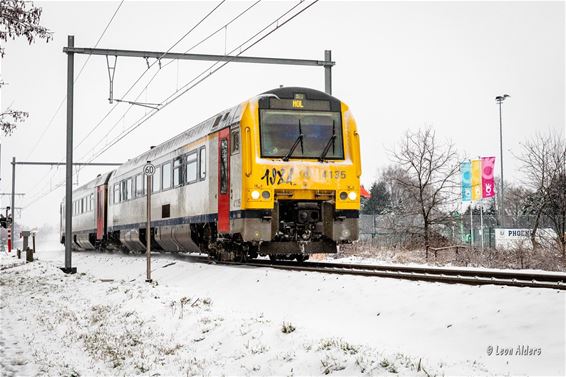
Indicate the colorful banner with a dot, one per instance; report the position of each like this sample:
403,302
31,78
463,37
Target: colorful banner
476,180
465,170
488,181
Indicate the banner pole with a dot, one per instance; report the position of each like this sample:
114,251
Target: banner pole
481,223
471,224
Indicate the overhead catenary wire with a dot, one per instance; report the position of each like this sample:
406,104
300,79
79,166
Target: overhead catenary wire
50,123
141,76
131,87
175,95
153,77
199,78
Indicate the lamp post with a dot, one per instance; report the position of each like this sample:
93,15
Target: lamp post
499,100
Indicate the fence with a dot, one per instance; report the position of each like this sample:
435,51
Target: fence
406,231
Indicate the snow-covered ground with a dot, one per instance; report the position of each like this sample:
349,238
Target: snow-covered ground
210,319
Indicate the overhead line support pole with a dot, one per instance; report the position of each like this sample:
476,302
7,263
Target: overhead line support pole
328,71
13,200
69,159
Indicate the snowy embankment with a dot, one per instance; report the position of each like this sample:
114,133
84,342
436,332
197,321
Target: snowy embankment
211,319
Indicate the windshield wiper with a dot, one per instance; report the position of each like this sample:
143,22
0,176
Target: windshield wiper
296,143
327,146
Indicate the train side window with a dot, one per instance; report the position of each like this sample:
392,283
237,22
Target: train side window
139,186
192,167
166,176
178,171
116,193
202,163
129,190
223,166
123,194
235,141
91,201
82,205
156,181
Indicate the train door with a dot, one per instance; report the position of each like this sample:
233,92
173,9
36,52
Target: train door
224,181
100,215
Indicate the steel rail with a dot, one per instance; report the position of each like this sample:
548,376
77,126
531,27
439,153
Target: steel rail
431,274
446,271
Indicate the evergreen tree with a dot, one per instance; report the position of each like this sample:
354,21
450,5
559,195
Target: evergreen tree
380,201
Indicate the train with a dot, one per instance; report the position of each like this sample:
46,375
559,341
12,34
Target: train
277,175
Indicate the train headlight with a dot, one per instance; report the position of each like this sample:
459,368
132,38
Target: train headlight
255,195
352,195
343,195
265,195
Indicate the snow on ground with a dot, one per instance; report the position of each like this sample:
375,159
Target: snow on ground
210,319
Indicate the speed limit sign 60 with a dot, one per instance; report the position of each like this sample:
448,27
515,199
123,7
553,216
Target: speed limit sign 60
149,169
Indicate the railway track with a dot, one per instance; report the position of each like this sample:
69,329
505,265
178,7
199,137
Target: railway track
420,273
431,274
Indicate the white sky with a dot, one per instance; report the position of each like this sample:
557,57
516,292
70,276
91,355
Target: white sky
399,65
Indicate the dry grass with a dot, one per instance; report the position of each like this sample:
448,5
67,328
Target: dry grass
519,257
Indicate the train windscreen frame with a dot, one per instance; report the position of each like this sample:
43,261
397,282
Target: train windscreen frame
280,130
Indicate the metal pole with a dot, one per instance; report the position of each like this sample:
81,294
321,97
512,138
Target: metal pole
69,160
471,225
481,223
148,228
501,206
13,222
328,72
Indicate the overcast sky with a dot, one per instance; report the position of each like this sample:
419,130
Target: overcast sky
399,66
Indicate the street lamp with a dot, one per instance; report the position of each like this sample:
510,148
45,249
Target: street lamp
499,100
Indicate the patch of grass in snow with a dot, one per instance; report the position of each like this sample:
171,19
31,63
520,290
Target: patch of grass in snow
333,343
287,356
194,367
287,328
388,365
169,350
330,364
187,303
255,347
368,362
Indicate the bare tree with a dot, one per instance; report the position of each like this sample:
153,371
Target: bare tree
9,120
21,18
543,159
431,168
18,19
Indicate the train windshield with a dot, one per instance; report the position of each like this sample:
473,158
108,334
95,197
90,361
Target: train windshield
281,132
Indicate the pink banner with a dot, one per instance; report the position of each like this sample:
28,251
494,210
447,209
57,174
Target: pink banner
488,181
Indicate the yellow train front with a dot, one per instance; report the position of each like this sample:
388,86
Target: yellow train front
300,174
